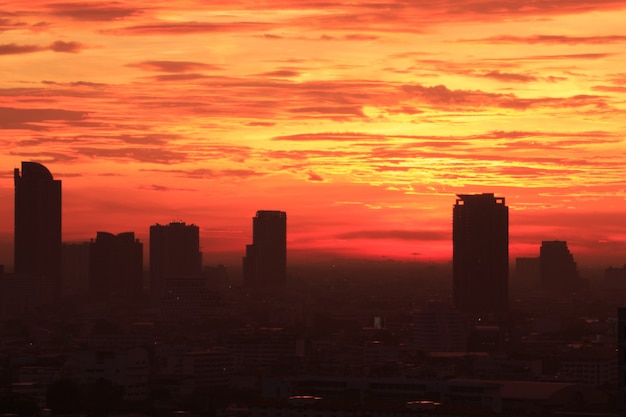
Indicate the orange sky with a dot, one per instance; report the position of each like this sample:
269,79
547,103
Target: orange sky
362,120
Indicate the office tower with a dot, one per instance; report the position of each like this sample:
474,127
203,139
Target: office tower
621,360
615,278
38,225
528,272
558,269
480,254
76,268
174,252
116,266
265,263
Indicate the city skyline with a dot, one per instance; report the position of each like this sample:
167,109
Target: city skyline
33,168
361,120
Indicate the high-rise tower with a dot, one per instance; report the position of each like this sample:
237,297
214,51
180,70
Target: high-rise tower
480,259
116,266
174,253
38,224
558,269
265,263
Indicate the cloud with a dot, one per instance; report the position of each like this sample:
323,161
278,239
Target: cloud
75,84
213,174
57,46
585,56
162,188
44,157
609,88
11,49
15,118
261,124
94,11
411,235
441,97
333,137
508,77
7,24
312,176
280,74
179,77
174,66
61,46
185,28
332,112
550,39
148,155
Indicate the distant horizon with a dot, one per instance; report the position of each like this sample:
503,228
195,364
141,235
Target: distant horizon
361,120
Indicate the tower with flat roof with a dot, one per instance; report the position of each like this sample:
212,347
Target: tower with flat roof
265,263
558,269
480,254
38,224
174,252
116,266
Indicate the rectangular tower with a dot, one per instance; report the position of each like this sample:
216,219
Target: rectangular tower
265,263
116,266
480,256
174,252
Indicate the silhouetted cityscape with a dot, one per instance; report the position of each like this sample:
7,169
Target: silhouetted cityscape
85,330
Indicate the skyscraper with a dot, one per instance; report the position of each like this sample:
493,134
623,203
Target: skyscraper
38,224
265,263
558,269
174,252
480,259
116,266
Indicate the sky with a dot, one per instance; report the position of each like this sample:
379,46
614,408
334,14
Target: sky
361,119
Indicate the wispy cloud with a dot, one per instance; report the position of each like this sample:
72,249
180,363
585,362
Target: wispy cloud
174,66
94,11
57,46
550,39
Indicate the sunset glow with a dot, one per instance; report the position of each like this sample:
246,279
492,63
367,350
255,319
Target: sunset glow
361,120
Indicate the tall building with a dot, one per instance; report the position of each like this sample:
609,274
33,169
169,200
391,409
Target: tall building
480,254
76,268
558,269
528,272
174,252
265,263
116,266
621,360
38,224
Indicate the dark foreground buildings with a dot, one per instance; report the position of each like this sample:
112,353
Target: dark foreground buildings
265,263
480,257
38,225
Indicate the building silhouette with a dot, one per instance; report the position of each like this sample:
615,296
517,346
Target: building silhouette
265,263
480,254
75,258
615,278
174,252
558,269
38,225
528,272
116,266
621,361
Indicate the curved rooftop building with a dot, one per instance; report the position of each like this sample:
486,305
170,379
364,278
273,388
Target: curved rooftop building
38,224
